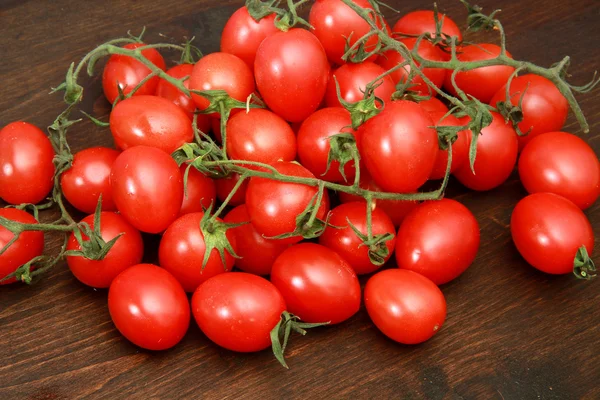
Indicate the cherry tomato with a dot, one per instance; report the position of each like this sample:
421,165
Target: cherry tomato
353,80
548,229
544,108
399,146
318,285
497,148
147,188
257,253
126,72
460,148
291,73
149,307
26,167
418,22
201,191
433,105
29,245
404,305
127,251
237,311
88,178
226,185
438,239
563,164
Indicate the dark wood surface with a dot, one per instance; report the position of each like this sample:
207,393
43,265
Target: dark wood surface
511,332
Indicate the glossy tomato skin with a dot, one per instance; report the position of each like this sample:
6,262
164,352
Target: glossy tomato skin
147,188
460,148
29,245
149,307
422,21
88,178
291,71
563,164
318,285
127,72
257,253
150,121
201,191
345,242
26,166
242,35
544,108
226,185
548,229
433,105
127,251
314,144
497,149
438,239
399,146
353,80
237,311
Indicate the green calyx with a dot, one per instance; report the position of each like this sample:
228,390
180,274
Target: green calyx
362,110
377,244
583,266
215,237
342,148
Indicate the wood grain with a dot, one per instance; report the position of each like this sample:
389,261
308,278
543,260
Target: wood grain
511,332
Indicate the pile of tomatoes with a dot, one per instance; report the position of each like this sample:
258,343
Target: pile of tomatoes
251,275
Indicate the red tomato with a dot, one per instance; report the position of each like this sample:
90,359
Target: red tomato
345,242
150,121
221,71
257,253
438,239
460,148
149,307
226,185
126,72
88,178
353,80
481,83
273,206
260,135
237,311
314,145
404,305
563,164
399,147
26,167
147,188
544,108
418,22
291,73
29,245
433,105
497,148
242,35
548,230
127,251
201,192
318,285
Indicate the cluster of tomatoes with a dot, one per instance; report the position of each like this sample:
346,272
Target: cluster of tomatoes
304,81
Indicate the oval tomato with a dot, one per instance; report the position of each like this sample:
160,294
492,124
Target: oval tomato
418,22
226,185
433,105
200,194
353,80
460,148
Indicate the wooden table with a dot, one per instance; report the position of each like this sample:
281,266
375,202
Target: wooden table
511,332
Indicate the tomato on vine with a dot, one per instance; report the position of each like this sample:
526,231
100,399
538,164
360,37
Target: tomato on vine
201,191
423,21
460,148
226,185
353,80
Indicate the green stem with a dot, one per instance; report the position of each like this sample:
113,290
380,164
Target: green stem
315,210
225,202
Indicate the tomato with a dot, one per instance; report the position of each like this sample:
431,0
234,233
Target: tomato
257,253
433,105
404,305
29,245
497,148
150,121
318,285
314,144
242,35
418,22
438,239
126,72
399,146
481,83
127,251
353,80
149,307
221,71
88,178
563,164
548,229
428,51
26,167
273,206
460,148
291,73
260,135
226,185
147,188
201,192
237,311
544,108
